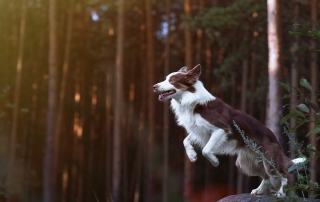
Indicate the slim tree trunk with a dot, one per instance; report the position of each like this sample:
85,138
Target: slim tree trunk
273,103
109,85
294,82
243,107
151,98
62,93
116,171
253,77
314,83
51,115
166,113
188,167
14,127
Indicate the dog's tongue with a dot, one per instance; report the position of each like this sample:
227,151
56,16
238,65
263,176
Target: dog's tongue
165,94
161,96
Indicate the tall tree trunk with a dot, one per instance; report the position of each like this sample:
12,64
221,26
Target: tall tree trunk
243,107
151,98
253,76
188,167
62,93
12,158
294,82
51,115
166,112
116,171
314,83
273,103
109,85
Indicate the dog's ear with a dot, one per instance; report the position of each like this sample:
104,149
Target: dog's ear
193,74
183,69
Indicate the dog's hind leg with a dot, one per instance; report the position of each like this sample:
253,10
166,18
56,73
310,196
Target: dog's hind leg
189,149
284,182
276,175
217,138
261,189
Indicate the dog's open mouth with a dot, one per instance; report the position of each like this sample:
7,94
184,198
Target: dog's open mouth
165,94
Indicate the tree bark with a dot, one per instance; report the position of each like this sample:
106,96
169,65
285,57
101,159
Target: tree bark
15,115
188,167
166,112
151,98
243,107
294,82
273,103
116,171
62,93
314,83
51,115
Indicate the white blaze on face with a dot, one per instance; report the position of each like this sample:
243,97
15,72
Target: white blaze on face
166,89
166,85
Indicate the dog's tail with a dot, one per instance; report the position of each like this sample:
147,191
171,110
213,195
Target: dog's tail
296,164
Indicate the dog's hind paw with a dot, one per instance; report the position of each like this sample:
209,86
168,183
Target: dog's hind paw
280,194
256,191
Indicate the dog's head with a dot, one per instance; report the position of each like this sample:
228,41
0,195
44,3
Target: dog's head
177,83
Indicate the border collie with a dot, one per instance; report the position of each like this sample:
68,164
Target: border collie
209,123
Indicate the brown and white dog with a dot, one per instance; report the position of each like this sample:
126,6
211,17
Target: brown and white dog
210,125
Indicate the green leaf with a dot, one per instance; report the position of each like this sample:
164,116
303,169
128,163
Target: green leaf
297,166
299,33
316,33
311,149
297,89
285,86
312,104
303,108
286,96
314,131
287,117
306,84
299,113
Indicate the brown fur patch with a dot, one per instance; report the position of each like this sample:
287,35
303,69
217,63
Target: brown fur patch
179,81
222,115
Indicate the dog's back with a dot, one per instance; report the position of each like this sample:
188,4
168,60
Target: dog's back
210,123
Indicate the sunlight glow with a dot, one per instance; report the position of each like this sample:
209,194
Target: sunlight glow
111,31
94,16
77,97
131,93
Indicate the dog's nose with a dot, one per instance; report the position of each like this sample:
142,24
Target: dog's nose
155,87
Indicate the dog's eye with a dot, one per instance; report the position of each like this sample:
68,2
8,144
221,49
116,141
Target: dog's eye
172,79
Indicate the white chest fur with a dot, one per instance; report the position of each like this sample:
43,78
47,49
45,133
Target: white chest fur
199,129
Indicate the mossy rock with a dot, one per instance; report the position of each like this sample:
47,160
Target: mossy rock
260,198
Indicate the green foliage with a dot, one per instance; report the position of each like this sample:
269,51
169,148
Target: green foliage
306,32
231,25
302,114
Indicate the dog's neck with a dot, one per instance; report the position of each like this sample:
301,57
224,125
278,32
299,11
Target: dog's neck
190,99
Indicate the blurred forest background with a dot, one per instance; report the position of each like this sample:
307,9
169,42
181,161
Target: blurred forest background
79,120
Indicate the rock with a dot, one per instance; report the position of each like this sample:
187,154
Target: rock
256,198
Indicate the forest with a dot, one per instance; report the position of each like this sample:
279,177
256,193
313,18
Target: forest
80,122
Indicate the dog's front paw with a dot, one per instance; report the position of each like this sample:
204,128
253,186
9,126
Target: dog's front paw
215,164
214,161
192,155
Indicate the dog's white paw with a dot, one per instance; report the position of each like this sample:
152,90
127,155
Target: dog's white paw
214,161
192,155
256,191
280,194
